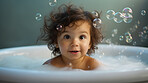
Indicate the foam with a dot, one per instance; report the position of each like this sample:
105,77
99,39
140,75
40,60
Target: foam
111,63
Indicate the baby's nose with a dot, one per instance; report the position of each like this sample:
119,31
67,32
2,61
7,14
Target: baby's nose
75,43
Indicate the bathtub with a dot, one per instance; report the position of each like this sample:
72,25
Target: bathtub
12,74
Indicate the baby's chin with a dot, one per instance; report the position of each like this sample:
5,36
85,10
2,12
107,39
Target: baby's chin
72,57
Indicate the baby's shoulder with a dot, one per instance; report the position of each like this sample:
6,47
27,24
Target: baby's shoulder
92,63
52,61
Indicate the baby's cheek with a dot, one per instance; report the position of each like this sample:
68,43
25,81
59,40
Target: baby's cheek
62,47
86,47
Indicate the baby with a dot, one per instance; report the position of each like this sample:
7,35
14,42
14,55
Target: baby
71,36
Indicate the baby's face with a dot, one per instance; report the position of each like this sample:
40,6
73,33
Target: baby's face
74,42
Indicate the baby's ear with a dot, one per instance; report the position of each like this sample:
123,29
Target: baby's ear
56,45
89,45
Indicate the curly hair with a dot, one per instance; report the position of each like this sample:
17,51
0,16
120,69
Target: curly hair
66,15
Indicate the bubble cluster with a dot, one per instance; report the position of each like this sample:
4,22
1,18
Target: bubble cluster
52,2
97,23
38,16
118,17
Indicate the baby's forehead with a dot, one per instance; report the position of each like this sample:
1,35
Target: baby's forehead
80,27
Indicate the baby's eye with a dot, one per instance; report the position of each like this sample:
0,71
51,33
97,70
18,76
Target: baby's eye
82,37
66,37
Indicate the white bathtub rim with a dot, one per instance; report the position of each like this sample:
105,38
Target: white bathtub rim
65,76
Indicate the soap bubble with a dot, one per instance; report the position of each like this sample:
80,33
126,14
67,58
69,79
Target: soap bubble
136,26
52,2
134,43
143,12
38,16
141,34
113,35
95,14
108,41
121,38
97,23
127,17
127,10
110,14
145,28
59,27
138,22
118,17
127,34
128,37
133,29
115,31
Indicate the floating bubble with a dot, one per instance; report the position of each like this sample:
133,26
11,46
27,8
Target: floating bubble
128,37
141,34
127,34
118,17
108,41
127,10
115,31
59,27
134,43
143,12
95,14
52,2
110,14
127,17
38,16
145,35
138,22
97,23
121,38
145,28
136,26
133,29
113,35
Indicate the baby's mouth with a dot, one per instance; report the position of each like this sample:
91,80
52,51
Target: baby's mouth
74,52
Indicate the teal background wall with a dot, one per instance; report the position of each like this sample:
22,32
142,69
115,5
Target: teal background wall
18,26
